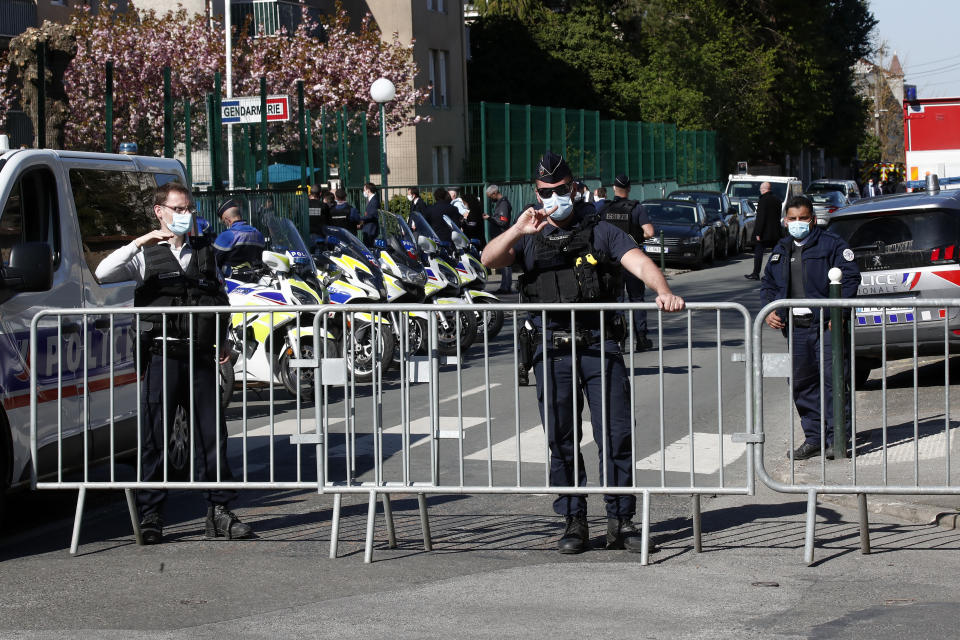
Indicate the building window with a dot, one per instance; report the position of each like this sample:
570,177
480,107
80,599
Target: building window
441,165
437,5
438,78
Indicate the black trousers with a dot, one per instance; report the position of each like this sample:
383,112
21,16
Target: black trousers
205,429
562,417
758,250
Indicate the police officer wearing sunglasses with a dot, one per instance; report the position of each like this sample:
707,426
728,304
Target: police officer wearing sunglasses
569,255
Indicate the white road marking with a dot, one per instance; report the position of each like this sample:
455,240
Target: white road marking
470,392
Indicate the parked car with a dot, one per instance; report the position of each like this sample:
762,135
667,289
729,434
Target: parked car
848,188
722,214
825,203
748,217
688,236
906,246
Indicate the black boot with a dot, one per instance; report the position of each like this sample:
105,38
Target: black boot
576,537
222,523
151,529
522,378
622,533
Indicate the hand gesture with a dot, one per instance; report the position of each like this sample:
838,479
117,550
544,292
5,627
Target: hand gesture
532,220
152,238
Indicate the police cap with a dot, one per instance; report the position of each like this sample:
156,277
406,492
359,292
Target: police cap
622,181
227,205
552,168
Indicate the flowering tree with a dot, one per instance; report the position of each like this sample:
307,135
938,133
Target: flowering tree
337,72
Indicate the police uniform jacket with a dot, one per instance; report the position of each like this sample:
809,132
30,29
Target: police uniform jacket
239,244
344,215
608,243
636,216
822,251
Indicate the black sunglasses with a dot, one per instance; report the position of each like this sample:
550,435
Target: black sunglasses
560,190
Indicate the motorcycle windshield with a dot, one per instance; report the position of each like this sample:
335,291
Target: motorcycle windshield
460,241
421,227
399,239
284,237
351,245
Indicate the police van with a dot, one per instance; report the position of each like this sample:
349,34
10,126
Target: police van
61,213
908,248
744,185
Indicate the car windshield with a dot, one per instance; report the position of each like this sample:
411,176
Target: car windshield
751,189
821,187
284,237
671,213
708,200
899,239
827,197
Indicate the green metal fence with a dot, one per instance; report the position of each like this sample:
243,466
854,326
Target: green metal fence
255,204
506,141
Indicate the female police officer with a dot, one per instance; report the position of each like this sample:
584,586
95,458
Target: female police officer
568,255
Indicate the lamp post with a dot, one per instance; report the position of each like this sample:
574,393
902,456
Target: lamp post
383,91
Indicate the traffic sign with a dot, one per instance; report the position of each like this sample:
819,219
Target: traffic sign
247,110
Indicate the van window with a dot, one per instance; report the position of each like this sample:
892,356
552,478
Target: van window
113,207
31,214
751,189
901,241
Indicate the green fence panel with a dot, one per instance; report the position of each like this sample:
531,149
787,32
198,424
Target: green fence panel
255,204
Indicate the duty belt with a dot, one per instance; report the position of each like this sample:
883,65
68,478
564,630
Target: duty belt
583,338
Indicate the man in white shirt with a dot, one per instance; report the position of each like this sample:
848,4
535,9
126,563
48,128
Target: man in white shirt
171,269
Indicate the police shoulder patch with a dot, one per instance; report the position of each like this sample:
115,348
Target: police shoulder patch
848,255
775,257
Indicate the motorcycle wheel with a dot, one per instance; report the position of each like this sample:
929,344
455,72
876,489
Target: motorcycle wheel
360,362
447,337
492,321
416,339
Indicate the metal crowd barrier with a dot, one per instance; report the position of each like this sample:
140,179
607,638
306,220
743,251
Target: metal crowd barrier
424,423
890,452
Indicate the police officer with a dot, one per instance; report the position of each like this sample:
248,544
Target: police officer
569,256
240,246
172,269
629,216
342,213
500,222
798,268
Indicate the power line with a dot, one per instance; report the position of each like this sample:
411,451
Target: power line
927,64
934,71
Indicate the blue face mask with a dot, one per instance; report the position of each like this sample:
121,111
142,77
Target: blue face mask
799,229
563,204
180,224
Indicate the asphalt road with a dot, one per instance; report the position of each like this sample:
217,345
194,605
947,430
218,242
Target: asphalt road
493,571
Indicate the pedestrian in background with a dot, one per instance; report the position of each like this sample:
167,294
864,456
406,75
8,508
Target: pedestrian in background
766,227
370,223
600,199
570,256
173,268
500,222
473,224
342,213
629,216
440,208
798,268
416,202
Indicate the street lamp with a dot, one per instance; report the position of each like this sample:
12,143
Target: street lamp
383,91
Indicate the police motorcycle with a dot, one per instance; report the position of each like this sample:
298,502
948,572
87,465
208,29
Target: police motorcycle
473,277
351,275
404,278
443,287
267,342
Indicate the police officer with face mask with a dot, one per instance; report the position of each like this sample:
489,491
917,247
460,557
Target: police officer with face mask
798,268
568,256
175,268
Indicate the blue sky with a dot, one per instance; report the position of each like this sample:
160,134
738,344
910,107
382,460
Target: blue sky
925,35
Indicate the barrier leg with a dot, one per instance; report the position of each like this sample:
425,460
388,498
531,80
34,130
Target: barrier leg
424,522
864,524
75,541
697,525
388,516
371,516
134,520
811,526
645,531
335,525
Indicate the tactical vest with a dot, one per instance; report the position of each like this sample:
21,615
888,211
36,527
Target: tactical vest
619,214
167,284
567,268
340,217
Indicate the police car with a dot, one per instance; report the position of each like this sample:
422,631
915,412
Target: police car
908,248
61,213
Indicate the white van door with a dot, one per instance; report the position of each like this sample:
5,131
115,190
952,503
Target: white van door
31,197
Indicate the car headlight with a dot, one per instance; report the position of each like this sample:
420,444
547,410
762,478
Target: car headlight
691,240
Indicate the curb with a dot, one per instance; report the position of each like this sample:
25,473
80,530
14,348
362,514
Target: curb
888,505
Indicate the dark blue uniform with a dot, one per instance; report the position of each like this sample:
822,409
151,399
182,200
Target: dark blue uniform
240,244
821,251
371,221
559,384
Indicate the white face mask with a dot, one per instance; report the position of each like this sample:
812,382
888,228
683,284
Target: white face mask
409,197
563,204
